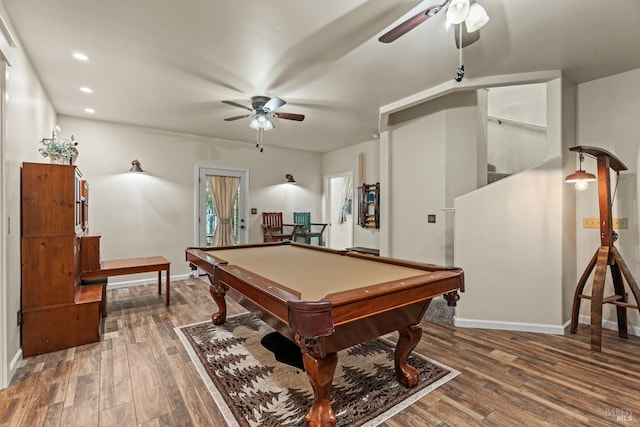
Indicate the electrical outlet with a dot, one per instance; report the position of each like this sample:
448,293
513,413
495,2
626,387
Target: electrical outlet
590,222
620,223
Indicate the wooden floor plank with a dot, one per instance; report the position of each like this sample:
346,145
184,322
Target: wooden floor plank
85,407
148,393
140,374
118,416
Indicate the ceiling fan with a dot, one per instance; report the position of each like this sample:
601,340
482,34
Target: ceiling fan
262,110
458,11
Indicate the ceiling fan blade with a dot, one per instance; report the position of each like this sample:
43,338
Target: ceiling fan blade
411,23
467,38
273,104
289,116
235,104
230,119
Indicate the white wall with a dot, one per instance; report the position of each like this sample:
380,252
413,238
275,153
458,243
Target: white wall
29,117
418,189
608,118
154,214
433,152
346,160
512,146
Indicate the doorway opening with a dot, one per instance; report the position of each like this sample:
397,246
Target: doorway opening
339,191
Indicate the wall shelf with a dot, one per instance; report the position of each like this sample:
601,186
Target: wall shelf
369,205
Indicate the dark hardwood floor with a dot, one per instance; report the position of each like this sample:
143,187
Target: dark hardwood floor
141,375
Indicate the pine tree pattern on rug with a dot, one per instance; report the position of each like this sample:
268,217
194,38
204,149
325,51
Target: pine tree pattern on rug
260,391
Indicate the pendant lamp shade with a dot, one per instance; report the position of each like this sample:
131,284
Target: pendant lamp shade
458,11
581,179
477,18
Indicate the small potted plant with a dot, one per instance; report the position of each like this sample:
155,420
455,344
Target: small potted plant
59,150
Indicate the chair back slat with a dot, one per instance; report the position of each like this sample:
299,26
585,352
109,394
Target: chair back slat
273,220
303,218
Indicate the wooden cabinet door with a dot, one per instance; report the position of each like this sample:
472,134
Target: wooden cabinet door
48,275
48,199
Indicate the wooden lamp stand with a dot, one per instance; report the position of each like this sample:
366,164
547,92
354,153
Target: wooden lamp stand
606,255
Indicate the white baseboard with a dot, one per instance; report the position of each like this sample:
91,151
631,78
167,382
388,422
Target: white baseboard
540,328
510,326
149,280
612,325
13,366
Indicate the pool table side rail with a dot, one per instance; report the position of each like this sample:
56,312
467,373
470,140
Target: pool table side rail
319,318
409,264
356,303
263,297
203,253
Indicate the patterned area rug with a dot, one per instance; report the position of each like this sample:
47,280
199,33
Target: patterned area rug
252,388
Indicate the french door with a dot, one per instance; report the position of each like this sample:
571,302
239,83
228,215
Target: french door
222,202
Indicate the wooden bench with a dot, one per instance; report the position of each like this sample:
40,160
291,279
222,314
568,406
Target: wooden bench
120,267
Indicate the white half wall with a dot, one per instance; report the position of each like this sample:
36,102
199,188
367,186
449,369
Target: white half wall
508,240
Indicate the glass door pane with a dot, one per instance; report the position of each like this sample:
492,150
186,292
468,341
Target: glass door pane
207,218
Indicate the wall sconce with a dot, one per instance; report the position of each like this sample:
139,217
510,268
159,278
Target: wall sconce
580,177
135,167
290,179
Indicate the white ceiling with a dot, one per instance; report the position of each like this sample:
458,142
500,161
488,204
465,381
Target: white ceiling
168,64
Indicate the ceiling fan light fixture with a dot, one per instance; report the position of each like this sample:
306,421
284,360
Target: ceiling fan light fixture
477,18
458,11
268,124
261,121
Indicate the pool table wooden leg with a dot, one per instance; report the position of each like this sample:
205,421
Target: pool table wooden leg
218,291
320,372
406,374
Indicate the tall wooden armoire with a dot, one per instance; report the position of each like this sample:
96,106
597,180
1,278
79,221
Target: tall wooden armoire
57,312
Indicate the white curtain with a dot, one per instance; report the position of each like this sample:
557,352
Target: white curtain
224,191
347,196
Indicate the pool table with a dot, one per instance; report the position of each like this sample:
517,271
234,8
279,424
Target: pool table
327,300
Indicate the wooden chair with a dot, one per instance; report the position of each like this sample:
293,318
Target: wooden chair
273,229
307,230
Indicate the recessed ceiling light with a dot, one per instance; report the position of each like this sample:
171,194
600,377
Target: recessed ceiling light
89,110
80,56
86,89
